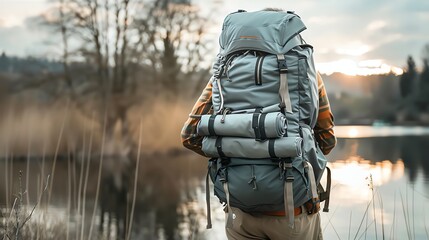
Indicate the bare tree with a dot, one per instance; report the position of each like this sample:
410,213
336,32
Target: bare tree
171,41
119,47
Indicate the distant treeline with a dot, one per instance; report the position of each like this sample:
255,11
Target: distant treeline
373,99
381,99
28,65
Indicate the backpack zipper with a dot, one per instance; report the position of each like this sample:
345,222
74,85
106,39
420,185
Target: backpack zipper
258,70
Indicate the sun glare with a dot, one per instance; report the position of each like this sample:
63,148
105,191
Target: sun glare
361,68
353,132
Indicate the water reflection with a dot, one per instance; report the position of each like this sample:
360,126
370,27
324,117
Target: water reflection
379,131
412,151
168,186
382,172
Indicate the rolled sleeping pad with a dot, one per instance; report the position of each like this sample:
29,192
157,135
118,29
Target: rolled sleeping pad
250,148
240,125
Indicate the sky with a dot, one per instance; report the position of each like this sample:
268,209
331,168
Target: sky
352,36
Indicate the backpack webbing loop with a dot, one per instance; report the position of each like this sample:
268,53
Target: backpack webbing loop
284,88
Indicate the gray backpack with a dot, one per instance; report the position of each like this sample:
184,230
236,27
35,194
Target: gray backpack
265,102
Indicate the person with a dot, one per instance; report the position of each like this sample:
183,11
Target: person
272,225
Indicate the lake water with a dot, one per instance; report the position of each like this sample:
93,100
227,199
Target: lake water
397,160
380,184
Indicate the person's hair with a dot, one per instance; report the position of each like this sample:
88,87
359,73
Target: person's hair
273,9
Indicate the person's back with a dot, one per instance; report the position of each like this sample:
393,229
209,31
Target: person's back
258,119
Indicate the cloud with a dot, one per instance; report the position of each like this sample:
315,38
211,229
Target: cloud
376,25
360,30
389,30
322,20
353,49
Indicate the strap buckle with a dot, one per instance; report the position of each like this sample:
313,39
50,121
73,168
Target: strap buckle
223,175
290,178
287,166
282,66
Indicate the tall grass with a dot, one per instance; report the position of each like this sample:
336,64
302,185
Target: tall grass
85,186
371,186
18,214
406,216
378,222
392,231
100,168
57,150
381,214
136,174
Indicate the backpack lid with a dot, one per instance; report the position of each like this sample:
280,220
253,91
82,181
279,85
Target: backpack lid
267,31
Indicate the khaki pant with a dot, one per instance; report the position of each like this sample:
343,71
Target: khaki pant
259,226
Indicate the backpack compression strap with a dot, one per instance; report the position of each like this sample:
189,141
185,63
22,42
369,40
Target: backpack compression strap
288,192
288,189
284,88
312,178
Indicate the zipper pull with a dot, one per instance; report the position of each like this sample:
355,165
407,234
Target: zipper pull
281,170
253,182
225,111
253,179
